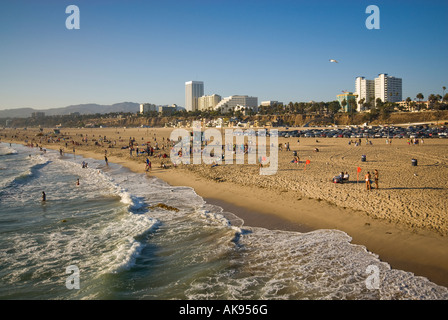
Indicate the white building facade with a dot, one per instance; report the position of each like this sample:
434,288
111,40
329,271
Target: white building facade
147,107
193,90
270,103
364,89
237,102
388,89
208,102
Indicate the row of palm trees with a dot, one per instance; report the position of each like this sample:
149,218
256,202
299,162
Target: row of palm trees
435,101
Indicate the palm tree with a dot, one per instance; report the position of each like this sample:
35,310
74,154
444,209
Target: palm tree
291,106
378,102
420,97
344,103
361,102
351,108
408,100
432,98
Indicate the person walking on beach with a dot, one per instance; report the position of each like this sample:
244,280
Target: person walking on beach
368,177
375,176
105,159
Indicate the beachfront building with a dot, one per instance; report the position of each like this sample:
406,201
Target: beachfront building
208,102
270,103
387,88
166,109
148,107
193,90
346,96
412,105
364,89
237,102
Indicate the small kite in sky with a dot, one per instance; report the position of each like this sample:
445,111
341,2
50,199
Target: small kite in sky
332,60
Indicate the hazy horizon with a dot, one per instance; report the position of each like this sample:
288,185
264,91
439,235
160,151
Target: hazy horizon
145,51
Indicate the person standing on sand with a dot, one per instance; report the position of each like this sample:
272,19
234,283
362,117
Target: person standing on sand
368,186
375,176
105,159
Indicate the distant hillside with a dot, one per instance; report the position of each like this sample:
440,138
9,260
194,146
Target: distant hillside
90,108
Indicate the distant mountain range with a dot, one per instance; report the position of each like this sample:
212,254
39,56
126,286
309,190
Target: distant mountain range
90,108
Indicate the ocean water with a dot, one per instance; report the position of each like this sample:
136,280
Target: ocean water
124,248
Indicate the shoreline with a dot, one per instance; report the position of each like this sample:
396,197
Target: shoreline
400,247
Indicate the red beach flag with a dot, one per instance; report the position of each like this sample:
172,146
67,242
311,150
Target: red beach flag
306,162
357,174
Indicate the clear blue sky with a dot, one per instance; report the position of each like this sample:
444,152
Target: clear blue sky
145,51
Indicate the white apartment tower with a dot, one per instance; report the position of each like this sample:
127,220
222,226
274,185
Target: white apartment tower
193,90
235,102
147,107
364,89
388,89
208,102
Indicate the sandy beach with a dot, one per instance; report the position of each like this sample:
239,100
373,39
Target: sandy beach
405,221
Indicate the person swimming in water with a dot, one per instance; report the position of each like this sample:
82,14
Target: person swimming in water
44,196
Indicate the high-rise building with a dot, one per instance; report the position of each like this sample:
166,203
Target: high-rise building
388,89
364,89
147,107
208,102
193,90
